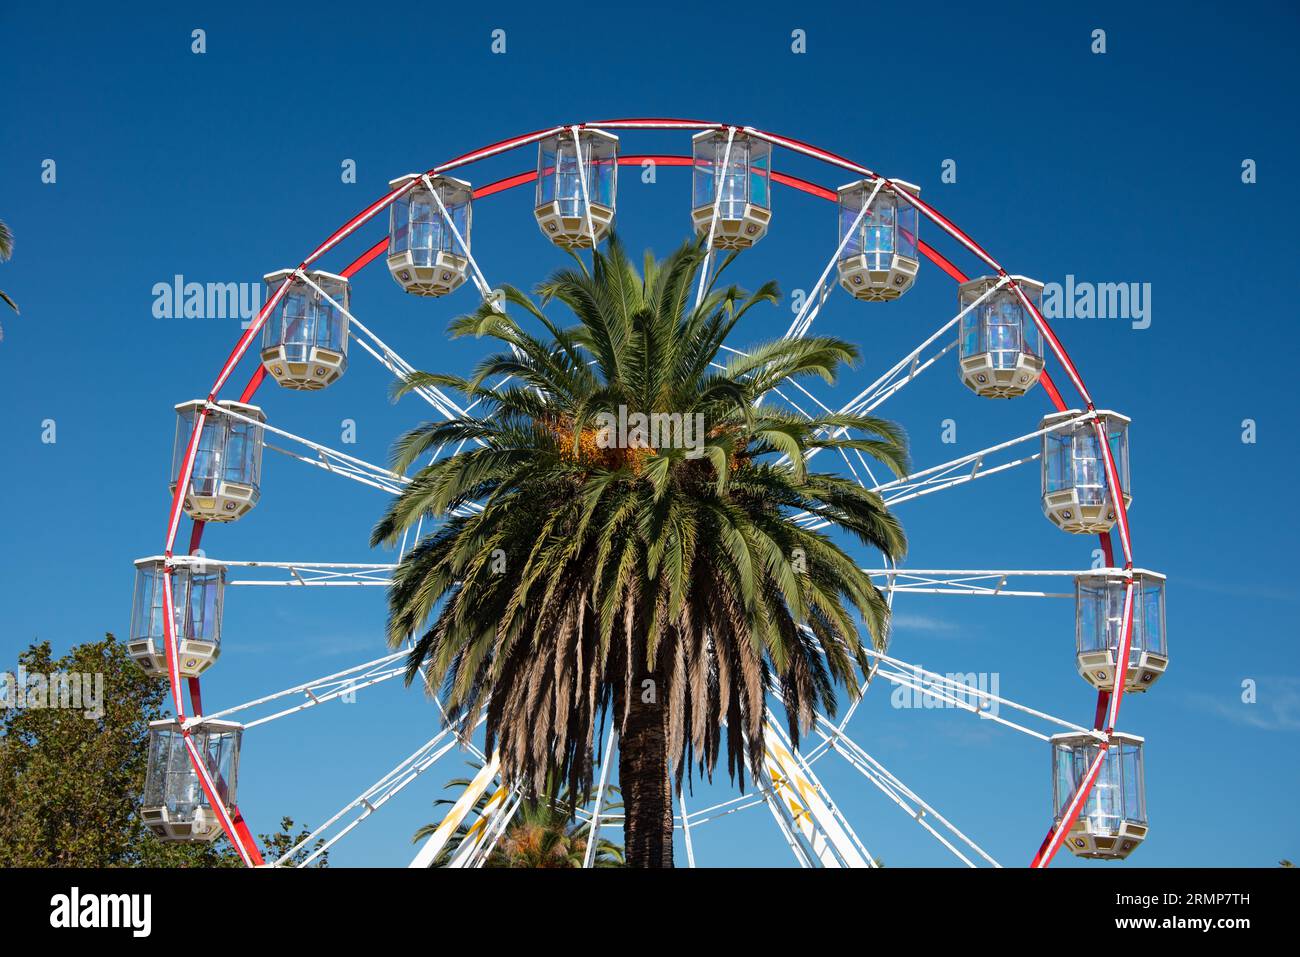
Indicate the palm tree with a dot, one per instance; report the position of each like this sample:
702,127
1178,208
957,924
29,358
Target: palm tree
6,250
541,834
579,570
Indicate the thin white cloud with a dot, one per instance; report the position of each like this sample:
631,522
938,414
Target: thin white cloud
908,621
1276,706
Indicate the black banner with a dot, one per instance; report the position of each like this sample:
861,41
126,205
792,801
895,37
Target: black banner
187,907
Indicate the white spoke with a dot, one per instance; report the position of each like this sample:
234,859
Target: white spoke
375,796
961,694
331,462
446,829
833,838
713,222
299,574
496,829
959,471
781,814
939,477
686,830
593,835
582,183
329,459
973,458
476,274
888,384
895,789
723,808
939,483
339,463
928,687
480,282
316,692
977,582
387,356
804,319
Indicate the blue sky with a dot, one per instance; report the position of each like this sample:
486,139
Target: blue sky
1120,167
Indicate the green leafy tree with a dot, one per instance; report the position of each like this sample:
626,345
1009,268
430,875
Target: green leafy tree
541,834
666,581
70,784
274,846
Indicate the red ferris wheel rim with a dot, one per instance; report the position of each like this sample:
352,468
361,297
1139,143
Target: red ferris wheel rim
1108,704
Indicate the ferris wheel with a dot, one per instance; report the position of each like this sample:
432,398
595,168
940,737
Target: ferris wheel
308,331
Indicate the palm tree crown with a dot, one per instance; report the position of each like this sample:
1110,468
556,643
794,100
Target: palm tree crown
541,834
596,551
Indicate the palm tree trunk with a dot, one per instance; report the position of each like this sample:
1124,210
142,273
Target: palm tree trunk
643,778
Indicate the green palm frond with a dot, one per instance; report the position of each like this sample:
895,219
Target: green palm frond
6,250
582,565
543,832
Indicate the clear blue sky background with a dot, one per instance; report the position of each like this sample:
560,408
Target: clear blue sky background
1122,167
